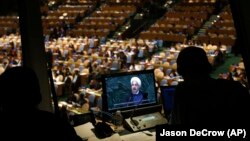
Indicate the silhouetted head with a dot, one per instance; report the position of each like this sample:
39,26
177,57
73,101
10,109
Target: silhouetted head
192,61
19,86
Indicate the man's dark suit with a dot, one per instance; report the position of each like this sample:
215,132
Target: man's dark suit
136,99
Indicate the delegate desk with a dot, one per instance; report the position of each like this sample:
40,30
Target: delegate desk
86,132
121,132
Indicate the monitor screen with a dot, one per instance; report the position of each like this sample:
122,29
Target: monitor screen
128,90
167,96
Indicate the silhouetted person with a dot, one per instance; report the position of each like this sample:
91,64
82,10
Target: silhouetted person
19,116
76,82
202,100
67,89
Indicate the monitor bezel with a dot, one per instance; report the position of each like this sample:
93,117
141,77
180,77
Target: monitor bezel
120,74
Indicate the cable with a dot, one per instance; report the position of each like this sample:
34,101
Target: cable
96,112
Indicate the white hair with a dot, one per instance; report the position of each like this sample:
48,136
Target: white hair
136,79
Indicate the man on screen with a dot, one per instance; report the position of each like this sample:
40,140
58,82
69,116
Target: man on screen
136,96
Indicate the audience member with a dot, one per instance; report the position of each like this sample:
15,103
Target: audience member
20,117
67,89
76,82
202,100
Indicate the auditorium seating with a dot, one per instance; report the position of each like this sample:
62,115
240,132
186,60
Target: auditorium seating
80,46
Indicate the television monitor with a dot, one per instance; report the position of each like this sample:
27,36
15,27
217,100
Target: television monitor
117,91
167,96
